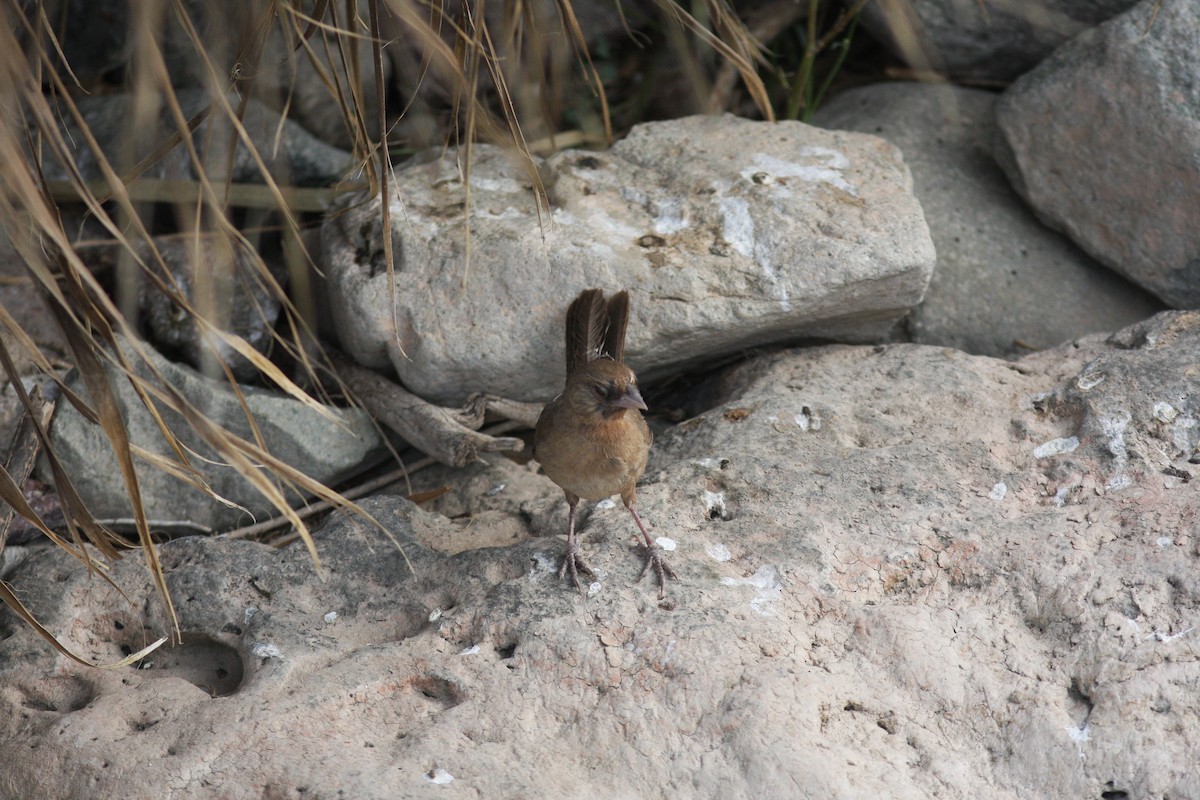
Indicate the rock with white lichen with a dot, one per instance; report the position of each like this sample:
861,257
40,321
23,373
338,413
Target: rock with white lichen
728,233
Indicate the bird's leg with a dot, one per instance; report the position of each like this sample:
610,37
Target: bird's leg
573,562
653,556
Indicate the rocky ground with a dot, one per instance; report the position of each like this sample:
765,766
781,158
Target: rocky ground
954,554
904,572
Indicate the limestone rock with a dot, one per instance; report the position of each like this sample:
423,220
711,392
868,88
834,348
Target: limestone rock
327,449
905,572
728,233
1102,139
1003,279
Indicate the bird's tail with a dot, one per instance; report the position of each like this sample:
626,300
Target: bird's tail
595,328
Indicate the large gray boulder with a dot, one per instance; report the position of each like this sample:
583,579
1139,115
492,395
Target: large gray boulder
1004,282
1103,140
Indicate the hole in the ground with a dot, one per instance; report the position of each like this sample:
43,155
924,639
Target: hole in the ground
506,650
200,660
142,724
438,690
61,694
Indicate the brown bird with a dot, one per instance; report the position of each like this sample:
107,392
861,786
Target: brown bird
591,440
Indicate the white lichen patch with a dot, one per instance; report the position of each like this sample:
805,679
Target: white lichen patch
998,492
718,552
265,650
825,165
1164,412
499,185
1080,735
670,216
808,420
439,776
737,227
1056,447
1183,433
1114,430
1167,638
714,504
767,584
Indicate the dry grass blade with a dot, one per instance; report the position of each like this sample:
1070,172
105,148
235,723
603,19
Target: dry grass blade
31,350
113,425
78,517
742,56
11,494
252,461
385,165
585,57
320,7
22,452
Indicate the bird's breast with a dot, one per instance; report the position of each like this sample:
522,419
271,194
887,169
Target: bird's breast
594,458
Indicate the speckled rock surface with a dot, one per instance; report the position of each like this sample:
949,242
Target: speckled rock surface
904,572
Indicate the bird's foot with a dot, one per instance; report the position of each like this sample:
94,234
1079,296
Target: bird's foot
654,555
573,564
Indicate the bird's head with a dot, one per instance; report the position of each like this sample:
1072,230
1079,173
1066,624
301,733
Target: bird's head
605,387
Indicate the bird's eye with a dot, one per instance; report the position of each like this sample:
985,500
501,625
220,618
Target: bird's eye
608,392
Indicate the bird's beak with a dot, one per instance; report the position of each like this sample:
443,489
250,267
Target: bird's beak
631,399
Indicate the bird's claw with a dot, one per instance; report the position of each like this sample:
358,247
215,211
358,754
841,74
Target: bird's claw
573,564
654,555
